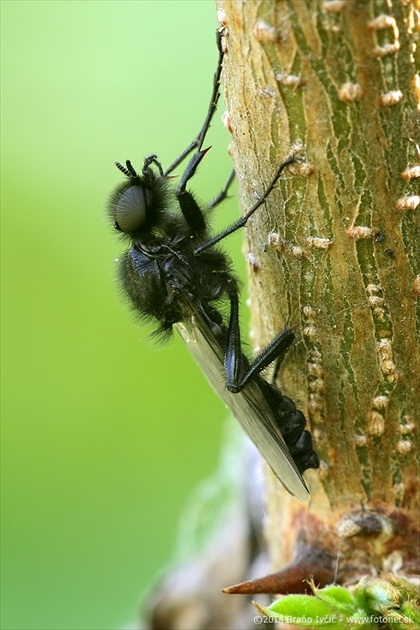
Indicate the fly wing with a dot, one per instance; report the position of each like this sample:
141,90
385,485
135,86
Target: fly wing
248,406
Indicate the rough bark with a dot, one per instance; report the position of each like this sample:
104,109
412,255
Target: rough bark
334,253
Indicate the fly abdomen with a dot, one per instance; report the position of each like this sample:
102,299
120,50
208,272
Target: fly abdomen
291,423
303,452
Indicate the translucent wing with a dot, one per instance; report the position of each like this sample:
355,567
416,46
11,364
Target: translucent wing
249,406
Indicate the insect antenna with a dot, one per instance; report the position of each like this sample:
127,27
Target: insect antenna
131,169
128,170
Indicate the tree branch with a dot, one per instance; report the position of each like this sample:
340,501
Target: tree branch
335,254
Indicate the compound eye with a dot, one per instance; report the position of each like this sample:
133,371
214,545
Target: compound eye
130,209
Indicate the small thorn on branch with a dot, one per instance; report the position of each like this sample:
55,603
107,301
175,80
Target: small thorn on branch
314,563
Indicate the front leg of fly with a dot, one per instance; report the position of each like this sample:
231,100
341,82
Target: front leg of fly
189,207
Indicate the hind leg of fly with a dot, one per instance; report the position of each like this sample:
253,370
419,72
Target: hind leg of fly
238,370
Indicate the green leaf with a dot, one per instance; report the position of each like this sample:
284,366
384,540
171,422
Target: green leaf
338,598
374,602
306,611
381,595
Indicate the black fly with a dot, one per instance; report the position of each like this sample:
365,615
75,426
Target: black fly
175,275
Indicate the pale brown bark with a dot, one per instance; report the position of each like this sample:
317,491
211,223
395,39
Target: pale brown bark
334,253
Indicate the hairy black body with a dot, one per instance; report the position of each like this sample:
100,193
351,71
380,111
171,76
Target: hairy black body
160,270
175,274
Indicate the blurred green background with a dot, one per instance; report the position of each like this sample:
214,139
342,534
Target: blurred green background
104,433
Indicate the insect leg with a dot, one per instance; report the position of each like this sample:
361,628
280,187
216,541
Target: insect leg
215,95
287,417
151,159
221,196
275,350
235,361
243,220
189,207
192,212
233,354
